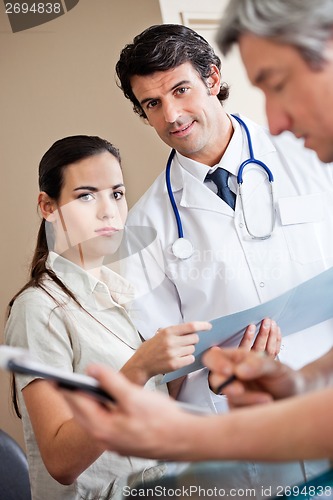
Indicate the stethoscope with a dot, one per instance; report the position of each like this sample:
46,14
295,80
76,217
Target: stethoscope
182,248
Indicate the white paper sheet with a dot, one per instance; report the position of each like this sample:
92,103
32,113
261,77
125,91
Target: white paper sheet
306,305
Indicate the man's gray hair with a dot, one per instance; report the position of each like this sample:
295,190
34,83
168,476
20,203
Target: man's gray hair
305,24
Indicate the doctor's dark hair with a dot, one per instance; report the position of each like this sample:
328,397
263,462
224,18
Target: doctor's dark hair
163,47
307,25
53,164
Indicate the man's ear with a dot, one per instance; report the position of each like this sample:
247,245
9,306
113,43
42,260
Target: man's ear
47,206
214,80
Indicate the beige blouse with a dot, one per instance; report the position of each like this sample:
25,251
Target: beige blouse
61,334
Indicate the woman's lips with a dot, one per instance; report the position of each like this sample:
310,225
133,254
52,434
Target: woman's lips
106,231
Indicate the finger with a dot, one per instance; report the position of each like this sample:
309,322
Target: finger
222,361
248,337
187,328
183,361
218,363
258,365
189,339
278,342
221,385
274,340
171,346
178,358
248,399
114,383
260,342
186,350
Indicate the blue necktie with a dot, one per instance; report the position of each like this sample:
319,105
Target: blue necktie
220,179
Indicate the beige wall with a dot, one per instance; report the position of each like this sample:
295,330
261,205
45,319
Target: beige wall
58,80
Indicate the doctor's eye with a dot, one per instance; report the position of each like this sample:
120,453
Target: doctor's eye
182,90
152,104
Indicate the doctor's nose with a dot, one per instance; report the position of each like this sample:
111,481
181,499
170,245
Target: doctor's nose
278,120
171,112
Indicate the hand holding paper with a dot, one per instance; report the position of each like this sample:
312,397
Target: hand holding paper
301,307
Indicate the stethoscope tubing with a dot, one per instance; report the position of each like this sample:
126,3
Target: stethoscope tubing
171,196
251,159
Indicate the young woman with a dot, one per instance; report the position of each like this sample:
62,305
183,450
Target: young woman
73,312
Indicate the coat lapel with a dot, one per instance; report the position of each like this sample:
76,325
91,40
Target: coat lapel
195,194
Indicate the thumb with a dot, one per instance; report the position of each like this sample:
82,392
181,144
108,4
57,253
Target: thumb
258,365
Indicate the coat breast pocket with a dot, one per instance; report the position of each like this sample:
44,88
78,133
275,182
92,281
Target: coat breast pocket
307,227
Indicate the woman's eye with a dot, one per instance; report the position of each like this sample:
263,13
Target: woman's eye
118,195
86,197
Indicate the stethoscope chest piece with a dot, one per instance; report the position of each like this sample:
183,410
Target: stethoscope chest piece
182,248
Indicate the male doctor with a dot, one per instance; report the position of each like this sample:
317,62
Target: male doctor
235,255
